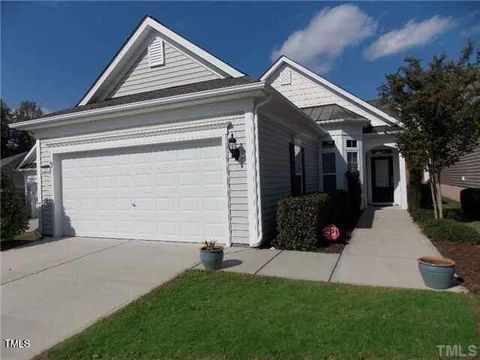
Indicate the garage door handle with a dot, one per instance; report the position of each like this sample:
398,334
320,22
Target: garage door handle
134,205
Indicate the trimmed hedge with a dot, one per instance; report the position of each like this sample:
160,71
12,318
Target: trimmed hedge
451,230
421,215
470,201
300,219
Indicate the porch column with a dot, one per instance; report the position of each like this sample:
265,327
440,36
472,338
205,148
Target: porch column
403,181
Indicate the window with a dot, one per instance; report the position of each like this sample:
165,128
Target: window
352,161
329,172
351,143
297,169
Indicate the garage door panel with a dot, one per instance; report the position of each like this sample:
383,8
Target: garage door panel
174,192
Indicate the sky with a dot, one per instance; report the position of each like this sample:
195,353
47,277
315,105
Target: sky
51,52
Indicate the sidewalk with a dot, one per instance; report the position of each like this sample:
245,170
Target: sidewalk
383,251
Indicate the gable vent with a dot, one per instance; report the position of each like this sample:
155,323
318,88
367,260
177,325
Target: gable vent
286,77
155,52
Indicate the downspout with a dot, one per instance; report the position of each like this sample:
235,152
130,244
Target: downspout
258,200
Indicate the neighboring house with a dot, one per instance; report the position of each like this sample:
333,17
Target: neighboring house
23,178
28,169
463,174
145,154
9,168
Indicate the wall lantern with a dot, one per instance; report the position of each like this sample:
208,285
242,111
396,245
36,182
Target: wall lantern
232,146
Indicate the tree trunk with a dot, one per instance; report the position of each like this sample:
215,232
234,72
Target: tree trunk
433,189
440,200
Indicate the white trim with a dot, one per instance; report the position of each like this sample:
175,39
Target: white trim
110,142
39,186
27,157
328,84
141,106
251,176
146,25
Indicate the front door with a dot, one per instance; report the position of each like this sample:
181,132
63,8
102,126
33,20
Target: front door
382,179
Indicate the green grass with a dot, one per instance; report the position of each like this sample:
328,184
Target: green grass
455,207
233,316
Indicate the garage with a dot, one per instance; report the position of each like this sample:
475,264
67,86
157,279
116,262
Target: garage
168,192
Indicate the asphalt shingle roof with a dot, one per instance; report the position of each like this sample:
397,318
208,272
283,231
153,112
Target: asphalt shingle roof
331,112
158,94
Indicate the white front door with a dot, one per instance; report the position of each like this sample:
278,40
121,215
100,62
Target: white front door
171,192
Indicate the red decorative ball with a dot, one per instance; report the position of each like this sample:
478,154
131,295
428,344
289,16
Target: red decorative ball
331,232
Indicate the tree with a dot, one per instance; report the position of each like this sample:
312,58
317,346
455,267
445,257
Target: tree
439,110
17,141
22,139
14,220
6,118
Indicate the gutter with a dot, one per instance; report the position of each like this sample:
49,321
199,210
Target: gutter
141,106
258,199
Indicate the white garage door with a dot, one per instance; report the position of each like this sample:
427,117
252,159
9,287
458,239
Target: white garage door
174,192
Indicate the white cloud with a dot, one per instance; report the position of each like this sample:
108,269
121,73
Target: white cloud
475,29
413,34
326,37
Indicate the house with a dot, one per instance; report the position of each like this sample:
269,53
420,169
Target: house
171,143
23,176
28,169
465,173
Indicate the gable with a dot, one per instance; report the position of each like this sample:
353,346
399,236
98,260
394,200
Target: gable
161,65
305,91
127,72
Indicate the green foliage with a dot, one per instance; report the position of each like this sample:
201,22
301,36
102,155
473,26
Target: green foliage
300,219
14,220
211,245
470,200
439,110
421,215
419,196
17,141
354,189
451,230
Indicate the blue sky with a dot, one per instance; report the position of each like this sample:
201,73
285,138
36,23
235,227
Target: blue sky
51,52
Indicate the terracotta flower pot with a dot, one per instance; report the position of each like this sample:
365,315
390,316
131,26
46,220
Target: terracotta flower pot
437,272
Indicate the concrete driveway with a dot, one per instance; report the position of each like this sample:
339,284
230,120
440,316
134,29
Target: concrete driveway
54,289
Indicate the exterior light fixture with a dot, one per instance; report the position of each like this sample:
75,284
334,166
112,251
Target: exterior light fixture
232,146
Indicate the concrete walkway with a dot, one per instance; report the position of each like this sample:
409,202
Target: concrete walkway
383,251
53,289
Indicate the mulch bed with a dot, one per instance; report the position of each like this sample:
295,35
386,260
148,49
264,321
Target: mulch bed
467,259
10,244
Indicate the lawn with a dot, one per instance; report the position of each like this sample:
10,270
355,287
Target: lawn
454,206
223,315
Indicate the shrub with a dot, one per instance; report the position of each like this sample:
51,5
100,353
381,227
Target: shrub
14,220
419,196
354,190
421,215
470,200
451,230
300,219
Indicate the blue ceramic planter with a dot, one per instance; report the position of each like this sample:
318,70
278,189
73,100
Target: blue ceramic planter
212,259
437,272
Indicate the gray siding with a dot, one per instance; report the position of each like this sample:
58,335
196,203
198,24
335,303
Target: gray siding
237,183
179,69
274,140
469,167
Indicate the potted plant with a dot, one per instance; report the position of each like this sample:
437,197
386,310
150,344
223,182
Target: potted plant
211,255
437,272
